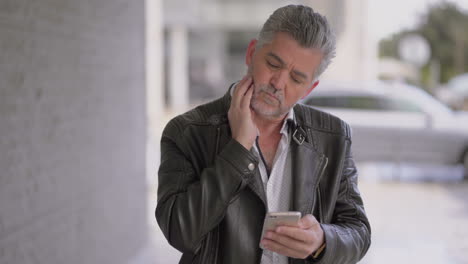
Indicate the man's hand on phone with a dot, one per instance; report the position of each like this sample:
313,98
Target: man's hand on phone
296,242
240,115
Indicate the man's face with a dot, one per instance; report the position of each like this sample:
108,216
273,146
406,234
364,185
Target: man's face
282,73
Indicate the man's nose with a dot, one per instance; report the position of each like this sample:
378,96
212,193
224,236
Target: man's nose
279,79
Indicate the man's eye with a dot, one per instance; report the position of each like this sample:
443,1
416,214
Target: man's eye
296,80
273,65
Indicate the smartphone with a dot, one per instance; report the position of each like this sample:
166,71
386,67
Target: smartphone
274,219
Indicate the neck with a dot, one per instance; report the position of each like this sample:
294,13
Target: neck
268,126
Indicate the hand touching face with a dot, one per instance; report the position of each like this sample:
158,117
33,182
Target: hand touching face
240,114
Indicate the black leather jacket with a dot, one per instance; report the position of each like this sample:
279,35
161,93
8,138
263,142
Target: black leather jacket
211,207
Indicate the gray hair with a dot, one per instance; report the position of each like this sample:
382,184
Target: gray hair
308,28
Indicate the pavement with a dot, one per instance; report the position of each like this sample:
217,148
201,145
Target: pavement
417,222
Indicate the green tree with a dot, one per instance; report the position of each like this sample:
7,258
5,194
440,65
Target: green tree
445,26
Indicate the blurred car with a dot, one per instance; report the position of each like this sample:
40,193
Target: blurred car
455,92
396,122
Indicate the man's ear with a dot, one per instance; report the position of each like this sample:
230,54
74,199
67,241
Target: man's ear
250,52
310,89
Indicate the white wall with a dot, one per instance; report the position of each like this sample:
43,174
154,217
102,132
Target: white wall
356,53
72,131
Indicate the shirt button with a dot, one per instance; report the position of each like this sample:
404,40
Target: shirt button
251,166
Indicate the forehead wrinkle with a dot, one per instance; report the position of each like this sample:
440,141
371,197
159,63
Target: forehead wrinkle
271,54
299,73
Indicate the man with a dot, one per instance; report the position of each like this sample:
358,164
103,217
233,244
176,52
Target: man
227,163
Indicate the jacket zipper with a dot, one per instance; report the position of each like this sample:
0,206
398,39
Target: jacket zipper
218,132
320,205
317,189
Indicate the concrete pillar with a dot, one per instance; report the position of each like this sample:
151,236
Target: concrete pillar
154,84
178,68
370,45
72,131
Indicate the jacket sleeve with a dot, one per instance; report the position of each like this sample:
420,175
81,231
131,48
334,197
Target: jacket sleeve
348,237
190,204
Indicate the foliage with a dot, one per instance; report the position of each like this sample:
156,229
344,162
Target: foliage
445,27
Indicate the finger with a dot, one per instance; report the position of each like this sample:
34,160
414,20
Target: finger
245,103
240,90
288,242
235,93
296,233
241,82
282,249
308,221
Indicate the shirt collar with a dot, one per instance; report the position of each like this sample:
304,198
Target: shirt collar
290,117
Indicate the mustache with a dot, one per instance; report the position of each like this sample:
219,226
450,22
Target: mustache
272,91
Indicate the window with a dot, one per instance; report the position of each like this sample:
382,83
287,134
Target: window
353,102
402,106
363,103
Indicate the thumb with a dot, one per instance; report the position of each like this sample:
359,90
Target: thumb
307,221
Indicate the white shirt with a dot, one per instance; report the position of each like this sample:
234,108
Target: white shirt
278,186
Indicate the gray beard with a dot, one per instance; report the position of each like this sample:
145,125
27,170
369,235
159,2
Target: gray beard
258,106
